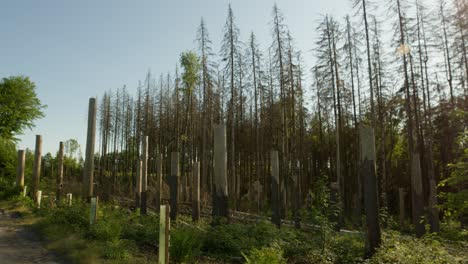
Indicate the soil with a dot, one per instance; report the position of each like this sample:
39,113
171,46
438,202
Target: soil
19,244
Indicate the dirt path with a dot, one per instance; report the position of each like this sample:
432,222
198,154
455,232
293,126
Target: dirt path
20,245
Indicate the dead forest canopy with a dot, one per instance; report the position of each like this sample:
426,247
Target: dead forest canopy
400,66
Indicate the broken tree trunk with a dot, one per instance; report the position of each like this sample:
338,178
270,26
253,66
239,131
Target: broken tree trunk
174,185
196,192
275,195
367,142
220,194
417,195
20,169
90,141
144,177
37,167
60,172
138,185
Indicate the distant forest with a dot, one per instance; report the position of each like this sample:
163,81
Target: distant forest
405,73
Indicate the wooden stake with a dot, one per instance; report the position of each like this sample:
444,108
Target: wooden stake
220,194
144,177
164,236
367,142
60,172
20,169
196,192
37,167
275,192
174,185
90,141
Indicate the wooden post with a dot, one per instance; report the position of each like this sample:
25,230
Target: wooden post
69,199
159,176
37,167
174,185
220,194
144,177
275,192
38,199
138,185
417,195
60,172
25,190
20,169
401,196
367,142
164,236
90,141
93,210
196,192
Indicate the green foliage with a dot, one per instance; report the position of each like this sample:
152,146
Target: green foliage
267,255
7,159
347,248
19,106
455,202
396,248
8,190
144,230
185,244
232,239
191,64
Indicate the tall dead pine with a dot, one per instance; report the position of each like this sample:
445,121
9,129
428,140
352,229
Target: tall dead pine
275,195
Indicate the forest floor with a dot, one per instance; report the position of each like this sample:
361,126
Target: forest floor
19,244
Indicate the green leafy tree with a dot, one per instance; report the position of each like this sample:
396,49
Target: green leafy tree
19,106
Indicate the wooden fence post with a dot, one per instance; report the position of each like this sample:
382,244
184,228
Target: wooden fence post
144,177
90,141
367,142
138,185
174,185
37,167
220,194
60,172
159,176
164,236
275,193
20,169
417,195
196,192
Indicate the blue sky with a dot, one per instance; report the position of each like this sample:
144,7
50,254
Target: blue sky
74,50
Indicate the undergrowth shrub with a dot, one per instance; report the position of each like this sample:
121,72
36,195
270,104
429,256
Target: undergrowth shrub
185,244
396,248
267,255
144,230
